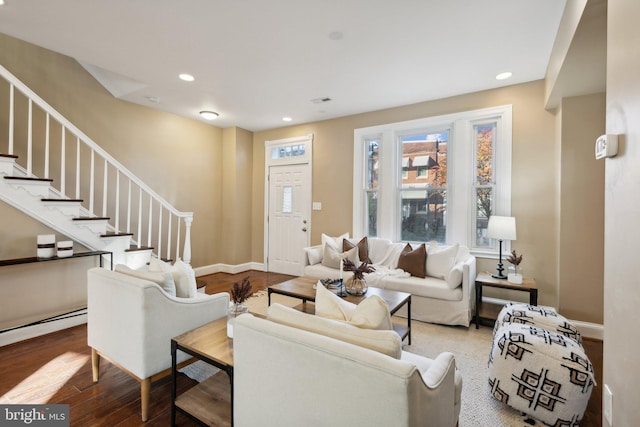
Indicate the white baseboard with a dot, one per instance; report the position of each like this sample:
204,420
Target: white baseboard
227,268
590,330
33,331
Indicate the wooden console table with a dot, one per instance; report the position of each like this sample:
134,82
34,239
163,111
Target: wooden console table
17,261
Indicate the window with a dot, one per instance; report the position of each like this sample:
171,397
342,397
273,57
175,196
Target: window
438,178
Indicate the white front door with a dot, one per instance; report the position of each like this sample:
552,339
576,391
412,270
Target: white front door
288,220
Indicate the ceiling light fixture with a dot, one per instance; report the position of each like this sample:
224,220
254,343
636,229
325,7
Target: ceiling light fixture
286,119
209,115
503,76
186,77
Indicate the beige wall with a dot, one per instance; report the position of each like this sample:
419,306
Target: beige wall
237,164
622,214
581,239
534,200
148,142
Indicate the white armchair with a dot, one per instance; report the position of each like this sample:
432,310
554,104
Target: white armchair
131,322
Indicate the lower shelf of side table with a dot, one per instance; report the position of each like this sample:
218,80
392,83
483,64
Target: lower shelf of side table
209,401
490,308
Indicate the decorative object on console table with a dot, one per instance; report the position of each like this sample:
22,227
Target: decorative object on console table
501,228
239,294
357,285
46,245
65,248
515,271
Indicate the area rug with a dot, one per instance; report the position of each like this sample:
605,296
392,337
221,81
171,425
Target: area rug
469,345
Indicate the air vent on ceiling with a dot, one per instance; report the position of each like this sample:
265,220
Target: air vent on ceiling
321,100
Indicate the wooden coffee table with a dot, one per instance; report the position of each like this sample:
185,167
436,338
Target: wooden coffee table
302,288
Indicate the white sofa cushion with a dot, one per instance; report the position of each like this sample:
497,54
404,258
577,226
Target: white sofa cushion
314,254
385,342
429,287
454,279
183,276
371,313
440,260
163,279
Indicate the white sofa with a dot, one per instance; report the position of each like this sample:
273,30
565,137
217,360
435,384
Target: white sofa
286,376
443,300
131,322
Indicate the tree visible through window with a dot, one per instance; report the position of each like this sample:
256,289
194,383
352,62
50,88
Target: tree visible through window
484,136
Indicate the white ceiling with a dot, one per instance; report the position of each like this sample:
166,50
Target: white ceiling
256,61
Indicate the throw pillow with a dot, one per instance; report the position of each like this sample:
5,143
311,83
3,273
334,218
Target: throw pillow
454,278
363,248
314,255
414,261
156,264
162,279
333,241
440,260
371,313
331,257
185,278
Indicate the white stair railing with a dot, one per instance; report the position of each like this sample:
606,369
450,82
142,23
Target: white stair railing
32,125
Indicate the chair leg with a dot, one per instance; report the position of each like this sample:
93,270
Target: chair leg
95,364
145,391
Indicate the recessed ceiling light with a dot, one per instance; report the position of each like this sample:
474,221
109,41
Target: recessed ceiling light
186,77
1,2
504,75
286,119
209,115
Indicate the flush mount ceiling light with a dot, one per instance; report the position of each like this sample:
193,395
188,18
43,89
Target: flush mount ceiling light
286,119
503,76
209,115
186,77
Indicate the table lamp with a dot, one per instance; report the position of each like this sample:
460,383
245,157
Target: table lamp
501,228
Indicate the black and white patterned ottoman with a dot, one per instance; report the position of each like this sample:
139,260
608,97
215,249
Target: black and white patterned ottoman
539,316
540,372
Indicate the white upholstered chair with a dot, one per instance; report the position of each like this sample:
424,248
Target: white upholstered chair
131,322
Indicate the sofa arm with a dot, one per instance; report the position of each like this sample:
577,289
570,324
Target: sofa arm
469,280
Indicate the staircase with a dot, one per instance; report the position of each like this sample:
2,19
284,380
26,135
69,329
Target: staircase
53,172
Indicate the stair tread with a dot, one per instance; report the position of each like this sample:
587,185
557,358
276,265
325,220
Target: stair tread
62,200
92,218
115,234
11,156
141,248
28,178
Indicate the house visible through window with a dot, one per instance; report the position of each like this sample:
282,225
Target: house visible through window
438,178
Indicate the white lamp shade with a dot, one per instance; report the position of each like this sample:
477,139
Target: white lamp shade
502,227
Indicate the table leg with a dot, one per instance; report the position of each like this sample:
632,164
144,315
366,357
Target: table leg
478,301
174,378
409,318
533,297
230,374
268,297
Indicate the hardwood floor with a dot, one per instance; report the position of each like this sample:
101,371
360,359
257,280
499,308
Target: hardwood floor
56,368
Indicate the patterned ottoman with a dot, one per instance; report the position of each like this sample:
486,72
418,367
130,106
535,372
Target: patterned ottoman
541,373
541,317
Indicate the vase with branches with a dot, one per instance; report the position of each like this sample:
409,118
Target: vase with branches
356,284
515,272
238,293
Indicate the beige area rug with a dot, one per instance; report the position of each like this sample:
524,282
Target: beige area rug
469,345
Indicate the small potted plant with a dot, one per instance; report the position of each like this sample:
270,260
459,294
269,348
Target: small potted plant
357,285
515,272
239,293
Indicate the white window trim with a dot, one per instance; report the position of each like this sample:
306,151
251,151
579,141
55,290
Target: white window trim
460,197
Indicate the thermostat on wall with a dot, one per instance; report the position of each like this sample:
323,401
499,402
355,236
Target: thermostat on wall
606,146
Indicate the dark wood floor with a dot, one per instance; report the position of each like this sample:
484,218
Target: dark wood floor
56,368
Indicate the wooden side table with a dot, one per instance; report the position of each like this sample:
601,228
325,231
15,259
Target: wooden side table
488,310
